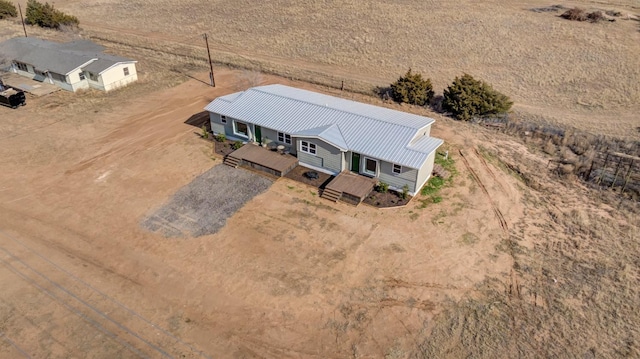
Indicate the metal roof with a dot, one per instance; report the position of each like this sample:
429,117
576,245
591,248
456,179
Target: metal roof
61,58
370,130
328,133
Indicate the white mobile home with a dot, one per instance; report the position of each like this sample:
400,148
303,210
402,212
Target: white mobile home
71,66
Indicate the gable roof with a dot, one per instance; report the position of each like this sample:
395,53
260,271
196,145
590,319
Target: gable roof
61,58
351,126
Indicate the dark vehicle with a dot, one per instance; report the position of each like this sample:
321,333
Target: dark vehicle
11,97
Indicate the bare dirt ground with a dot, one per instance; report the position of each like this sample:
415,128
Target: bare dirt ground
289,275
509,264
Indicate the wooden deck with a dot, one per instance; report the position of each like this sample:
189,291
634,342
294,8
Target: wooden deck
351,187
264,160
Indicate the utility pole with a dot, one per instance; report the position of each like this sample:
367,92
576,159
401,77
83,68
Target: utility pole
213,81
22,18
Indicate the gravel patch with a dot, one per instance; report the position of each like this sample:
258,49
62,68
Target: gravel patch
203,206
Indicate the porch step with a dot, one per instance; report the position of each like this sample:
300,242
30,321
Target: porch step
231,161
331,195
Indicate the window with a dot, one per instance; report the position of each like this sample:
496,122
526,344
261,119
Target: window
22,67
370,166
82,76
223,119
308,147
126,71
397,169
58,77
284,137
241,128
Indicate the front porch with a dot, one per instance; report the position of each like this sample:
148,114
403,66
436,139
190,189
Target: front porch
262,159
349,187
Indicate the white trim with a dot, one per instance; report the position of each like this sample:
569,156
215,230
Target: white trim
323,140
240,133
319,169
308,151
393,169
364,167
284,137
116,64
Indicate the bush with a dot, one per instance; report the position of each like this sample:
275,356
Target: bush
575,14
382,187
412,89
237,145
45,15
205,133
405,192
221,137
7,9
467,97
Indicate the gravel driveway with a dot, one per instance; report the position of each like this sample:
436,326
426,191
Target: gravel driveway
203,206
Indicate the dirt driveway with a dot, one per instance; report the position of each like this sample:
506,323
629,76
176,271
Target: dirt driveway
290,275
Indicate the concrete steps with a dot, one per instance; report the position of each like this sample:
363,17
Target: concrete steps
331,195
232,161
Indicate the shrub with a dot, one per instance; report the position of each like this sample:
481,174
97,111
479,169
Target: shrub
205,133
45,15
467,97
405,192
7,9
382,187
221,137
412,89
237,145
575,14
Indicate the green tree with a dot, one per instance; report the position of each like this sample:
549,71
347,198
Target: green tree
7,9
467,97
45,15
412,89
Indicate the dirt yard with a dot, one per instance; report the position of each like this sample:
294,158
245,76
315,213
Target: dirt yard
289,275
514,262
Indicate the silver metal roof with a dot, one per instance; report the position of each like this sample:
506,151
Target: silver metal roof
61,58
370,130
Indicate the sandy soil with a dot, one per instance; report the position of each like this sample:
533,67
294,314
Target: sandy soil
290,275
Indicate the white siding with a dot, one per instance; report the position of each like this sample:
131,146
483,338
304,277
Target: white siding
425,172
74,81
114,77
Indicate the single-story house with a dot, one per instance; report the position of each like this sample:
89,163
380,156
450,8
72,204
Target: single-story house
331,134
74,65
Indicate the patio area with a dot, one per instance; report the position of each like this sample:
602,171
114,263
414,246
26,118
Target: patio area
349,187
262,159
28,85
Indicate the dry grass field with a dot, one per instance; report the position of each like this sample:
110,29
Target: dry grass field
514,262
580,74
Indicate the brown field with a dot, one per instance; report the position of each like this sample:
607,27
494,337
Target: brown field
579,74
514,262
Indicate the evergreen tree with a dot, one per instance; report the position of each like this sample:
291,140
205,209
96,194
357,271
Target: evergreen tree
7,9
467,97
412,89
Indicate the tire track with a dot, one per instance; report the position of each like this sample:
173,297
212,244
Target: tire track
476,178
486,166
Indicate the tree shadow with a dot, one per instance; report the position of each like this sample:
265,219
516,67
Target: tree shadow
199,119
384,92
